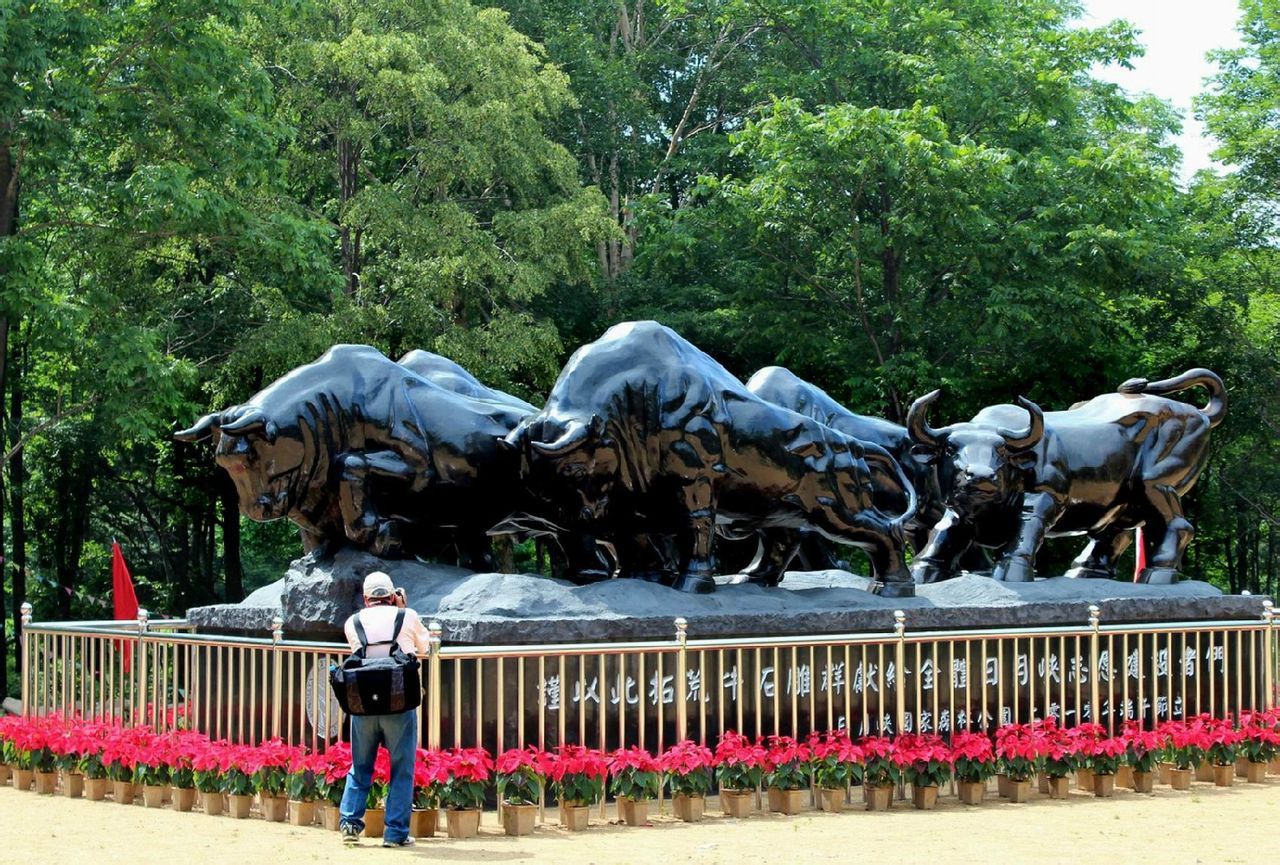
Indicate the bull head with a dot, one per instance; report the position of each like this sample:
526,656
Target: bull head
263,469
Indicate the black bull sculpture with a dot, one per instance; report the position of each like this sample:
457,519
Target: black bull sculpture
355,448
1118,461
643,423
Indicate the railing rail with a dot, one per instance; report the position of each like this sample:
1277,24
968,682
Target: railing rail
654,692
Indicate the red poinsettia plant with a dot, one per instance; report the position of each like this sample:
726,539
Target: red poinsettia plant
577,774
151,757
1224,740
30,740
834,760
633,774
1142,747
430,773
1185,744
925,758
739,762
786,764
88,742
331,770
881,765
973,756
207,766
237,764
1259,740
1020,750
1081,739
300,783
467,772
1057,748
268,766
521,774
687,768
1107,754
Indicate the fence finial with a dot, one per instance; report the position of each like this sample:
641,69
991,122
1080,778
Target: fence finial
277,629
143,619
25,610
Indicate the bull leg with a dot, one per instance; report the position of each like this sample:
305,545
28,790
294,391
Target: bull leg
1039,512
948,541
1098,559
360,522
777,548
699,502
891,578
643,557
1164,552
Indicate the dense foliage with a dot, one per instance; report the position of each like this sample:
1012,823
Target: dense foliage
887,197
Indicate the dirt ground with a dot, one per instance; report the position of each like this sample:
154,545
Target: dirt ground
1207,824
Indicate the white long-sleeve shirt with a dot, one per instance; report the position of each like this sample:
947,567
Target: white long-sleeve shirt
379,623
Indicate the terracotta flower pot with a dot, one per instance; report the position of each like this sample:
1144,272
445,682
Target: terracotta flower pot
72,784
689,808
1044,783
1104,786
95,789
274,808
1204,771
1143,782
184,798
1180,779
634,812
831,799
1002,785
736,803
422,822
1224,776
519,819
1255,773
1084,779
213,803
1058,787
972,792
23,779
1162,769
1242,767
330,817
878,798
46,783
304,813
375,822
1019,791
122,792
1124,777
575,818
462,822
238,806
1274,766
773,796
152,795
787,802
924,797
5,772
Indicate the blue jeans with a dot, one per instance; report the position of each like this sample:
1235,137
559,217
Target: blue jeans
399,733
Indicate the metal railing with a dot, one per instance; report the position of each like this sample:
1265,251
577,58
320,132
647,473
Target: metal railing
655,693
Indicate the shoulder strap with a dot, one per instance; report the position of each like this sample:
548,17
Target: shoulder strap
360,634
395,632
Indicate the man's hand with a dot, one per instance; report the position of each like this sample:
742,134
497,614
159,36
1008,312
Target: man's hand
402,600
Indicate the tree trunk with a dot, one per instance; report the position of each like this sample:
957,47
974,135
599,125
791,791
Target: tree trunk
17,482
8,226
349,238
232,568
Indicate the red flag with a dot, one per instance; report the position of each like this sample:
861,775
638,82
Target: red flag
123,597
1139,554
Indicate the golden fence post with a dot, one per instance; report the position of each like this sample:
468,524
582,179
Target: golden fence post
277,673
1268,659
1094,613
900,661
27,673
682,672
139,689
434,631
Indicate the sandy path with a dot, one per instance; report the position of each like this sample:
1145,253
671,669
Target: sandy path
1208,825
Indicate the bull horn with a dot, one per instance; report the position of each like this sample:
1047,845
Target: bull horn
918,421
1030,437
251,421
202,429
575,433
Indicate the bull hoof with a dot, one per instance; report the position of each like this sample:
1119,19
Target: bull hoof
1158,576
1013,569
930,572
1080,572
699,584
893,590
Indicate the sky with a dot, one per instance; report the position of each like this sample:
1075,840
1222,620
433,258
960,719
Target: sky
1176,33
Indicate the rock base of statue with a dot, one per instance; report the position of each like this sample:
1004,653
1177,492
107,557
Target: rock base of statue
317,594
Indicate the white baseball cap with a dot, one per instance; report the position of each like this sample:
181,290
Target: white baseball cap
378,585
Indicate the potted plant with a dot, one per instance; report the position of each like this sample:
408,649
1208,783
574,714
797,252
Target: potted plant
1105,756
462,794
428,777
181,753
206,771
881,771
67,747
1222,752
1259,744
633,780
974,760
739,765
34,739
1081,739
577,779
151,772
927,763
836,763
1019,753
237,779
331,768
8,750
1058,762
1142,752
118,753
687,768
91,767
270,771
301,788
519,781
787,774
1187,747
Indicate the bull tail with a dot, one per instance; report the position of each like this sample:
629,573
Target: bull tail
874,454
1215,411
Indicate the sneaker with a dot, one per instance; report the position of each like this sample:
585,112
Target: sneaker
350,833
407,842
